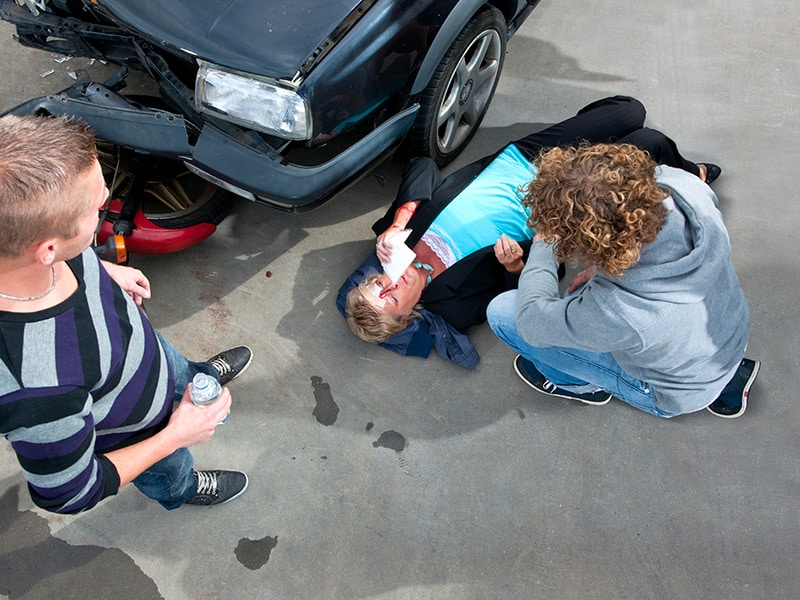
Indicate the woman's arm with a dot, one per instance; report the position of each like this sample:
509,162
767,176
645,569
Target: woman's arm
509,254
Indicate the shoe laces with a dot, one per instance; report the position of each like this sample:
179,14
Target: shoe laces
549,385
221,365
206,483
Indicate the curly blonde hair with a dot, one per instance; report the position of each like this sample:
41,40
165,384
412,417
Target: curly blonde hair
599,204
369,322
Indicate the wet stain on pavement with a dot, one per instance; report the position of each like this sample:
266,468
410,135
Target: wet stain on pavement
326,409
520,414
254,554
369,426
35,565
392,440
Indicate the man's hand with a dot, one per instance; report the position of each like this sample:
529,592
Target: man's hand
580,279
132,281
190,424
509,254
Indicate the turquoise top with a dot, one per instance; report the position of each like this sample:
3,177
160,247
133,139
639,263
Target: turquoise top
488,207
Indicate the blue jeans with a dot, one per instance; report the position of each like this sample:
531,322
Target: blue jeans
171,481
574,370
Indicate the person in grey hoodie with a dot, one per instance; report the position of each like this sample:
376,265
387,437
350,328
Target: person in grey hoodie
658,319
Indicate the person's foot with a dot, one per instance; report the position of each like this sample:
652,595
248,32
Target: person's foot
709,172
732,402
218,487
231,363
531,375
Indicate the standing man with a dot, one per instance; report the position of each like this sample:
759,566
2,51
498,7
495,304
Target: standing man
86,384
659,319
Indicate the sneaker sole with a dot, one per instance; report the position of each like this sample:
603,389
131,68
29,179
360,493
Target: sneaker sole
554,394
745,394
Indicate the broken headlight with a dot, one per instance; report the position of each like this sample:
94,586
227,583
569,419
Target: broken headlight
256,103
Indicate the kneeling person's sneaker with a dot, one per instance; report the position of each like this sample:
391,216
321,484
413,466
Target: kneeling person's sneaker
231,363
218,487
732,402
528,372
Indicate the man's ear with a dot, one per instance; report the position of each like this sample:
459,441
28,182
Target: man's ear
45,252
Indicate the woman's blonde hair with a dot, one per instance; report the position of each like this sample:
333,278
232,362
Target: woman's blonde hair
599,204
367,321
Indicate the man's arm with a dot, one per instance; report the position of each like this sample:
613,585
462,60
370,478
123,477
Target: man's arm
188,425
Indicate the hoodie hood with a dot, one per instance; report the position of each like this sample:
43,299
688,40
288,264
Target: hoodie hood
686,259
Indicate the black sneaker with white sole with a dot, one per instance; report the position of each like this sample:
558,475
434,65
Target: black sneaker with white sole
218,487
231,363
531,375
732,402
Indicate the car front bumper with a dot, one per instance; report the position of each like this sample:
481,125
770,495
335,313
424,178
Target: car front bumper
262,175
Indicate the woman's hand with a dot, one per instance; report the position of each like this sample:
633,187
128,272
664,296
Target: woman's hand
402,216
384,243
132,281
580,279
509,254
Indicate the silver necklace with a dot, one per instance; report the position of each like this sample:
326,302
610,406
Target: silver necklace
29,298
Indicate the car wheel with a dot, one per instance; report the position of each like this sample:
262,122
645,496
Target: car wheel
173,197
459,93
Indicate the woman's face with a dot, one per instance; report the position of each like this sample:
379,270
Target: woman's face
398,299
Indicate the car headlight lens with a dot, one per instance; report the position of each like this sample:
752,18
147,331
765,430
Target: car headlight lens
254,103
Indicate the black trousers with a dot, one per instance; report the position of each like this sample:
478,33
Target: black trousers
619,119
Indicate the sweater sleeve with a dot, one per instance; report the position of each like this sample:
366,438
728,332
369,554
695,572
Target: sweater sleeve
579,320
420,179
59,460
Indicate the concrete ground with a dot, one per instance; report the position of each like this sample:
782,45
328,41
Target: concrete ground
485,489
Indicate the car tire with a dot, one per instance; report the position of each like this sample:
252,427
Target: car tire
455,101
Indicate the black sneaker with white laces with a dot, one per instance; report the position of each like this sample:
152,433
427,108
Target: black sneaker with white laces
531,375
218,487
732,402
231,363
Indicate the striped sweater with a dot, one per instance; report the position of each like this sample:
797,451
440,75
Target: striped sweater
77,380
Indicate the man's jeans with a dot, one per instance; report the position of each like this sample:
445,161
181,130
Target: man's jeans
574,370
171,481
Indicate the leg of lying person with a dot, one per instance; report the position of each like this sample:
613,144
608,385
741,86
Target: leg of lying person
662,149
606,120
569,372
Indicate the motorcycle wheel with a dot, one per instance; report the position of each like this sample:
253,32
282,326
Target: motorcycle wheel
173,197
455,101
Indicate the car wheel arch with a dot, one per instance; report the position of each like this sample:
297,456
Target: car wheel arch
453,25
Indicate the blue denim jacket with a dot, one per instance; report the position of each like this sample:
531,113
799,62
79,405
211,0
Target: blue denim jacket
421,334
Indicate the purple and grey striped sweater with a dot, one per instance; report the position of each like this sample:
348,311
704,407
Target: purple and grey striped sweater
77,380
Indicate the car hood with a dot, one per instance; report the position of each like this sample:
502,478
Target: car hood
266,37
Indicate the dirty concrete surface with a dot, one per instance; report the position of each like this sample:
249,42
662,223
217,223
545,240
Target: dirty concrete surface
434,482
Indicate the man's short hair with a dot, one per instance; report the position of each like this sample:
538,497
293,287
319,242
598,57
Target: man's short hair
40,160
598,204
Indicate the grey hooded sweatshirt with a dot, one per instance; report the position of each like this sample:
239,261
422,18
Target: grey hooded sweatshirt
677,319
